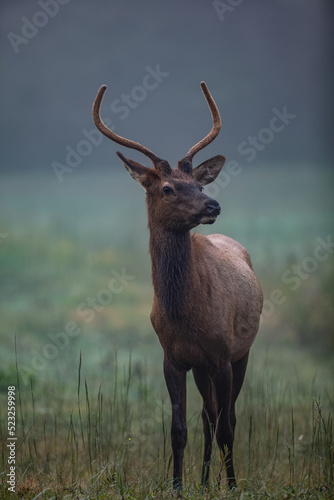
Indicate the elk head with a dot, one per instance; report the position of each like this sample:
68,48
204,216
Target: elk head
174,195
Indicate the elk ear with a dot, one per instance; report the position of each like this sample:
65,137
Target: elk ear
138,172
207,171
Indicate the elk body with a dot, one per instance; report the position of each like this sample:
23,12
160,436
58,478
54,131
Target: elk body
207,299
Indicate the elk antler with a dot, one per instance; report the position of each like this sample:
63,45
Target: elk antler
186,162
114,137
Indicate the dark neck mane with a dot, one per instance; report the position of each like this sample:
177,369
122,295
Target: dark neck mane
171,269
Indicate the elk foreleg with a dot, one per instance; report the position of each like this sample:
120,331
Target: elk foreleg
209,416
224,432
176,385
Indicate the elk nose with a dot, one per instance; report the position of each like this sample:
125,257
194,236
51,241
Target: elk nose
213,207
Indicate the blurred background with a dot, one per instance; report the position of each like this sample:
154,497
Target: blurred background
71,217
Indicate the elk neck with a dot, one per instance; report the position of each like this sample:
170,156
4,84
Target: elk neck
172,270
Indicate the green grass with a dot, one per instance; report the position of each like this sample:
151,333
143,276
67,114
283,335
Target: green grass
93,414
113,441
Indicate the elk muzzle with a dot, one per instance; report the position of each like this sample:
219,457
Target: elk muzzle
209,213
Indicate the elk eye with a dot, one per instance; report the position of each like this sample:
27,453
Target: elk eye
167,190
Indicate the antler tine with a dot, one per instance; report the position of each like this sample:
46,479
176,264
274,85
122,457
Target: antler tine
114,137
215,127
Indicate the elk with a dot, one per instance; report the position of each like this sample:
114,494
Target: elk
207,299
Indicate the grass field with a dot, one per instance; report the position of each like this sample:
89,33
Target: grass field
92,411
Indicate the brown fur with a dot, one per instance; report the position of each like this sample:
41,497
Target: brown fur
206,310
207,300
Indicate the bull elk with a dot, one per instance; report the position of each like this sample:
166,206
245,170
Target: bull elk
207,299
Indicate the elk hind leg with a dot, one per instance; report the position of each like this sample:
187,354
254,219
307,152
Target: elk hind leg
239,371
223,381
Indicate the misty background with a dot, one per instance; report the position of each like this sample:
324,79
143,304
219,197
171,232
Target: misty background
69,211
255,56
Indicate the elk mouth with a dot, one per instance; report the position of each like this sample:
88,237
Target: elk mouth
210,213
206,218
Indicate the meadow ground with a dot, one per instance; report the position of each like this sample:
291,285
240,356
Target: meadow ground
92,411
